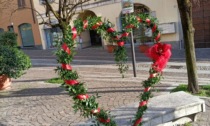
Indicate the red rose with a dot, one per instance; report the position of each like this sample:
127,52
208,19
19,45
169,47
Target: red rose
148,21
125,34
82,97
71,82
120,44
110,30
95,111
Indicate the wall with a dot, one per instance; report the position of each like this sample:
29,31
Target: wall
19,17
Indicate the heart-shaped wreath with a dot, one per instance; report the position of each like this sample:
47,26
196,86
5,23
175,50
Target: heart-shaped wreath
87,105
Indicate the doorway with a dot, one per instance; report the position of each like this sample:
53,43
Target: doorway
26,35
95,38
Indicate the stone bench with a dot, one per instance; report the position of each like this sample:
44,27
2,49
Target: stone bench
166,110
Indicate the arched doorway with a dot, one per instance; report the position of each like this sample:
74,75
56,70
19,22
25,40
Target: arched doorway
142,35
91,37
26,34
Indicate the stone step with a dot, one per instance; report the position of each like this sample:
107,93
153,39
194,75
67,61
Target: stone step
163,110
111,64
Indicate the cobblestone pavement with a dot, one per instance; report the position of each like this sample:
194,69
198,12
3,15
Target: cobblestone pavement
203,119
33,102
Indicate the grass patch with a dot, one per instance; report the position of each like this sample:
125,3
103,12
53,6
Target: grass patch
204,90
56,80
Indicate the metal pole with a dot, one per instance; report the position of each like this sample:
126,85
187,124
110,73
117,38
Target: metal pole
133,55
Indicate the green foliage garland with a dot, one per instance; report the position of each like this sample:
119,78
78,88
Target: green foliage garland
86,104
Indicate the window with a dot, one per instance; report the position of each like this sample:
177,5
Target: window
43,1
1,30
21,3
10,28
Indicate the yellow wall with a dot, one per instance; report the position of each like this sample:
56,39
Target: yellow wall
166,11
19,17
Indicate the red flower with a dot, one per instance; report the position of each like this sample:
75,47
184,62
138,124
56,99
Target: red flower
82,97
71,82
97,25
95,111
159,50
110,30
120,43
148,21
66,66
125,34
139,19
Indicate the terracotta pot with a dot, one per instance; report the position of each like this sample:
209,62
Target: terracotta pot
143,48
5,82
111,48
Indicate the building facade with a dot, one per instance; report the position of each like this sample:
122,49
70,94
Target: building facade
166,12
25,22
21,19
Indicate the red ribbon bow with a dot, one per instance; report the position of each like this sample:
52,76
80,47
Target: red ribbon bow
137,122
85,24
147,89
142,103
74,32
157,38
66,48
154,28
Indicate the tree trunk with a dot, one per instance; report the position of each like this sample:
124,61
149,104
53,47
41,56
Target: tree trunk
185,9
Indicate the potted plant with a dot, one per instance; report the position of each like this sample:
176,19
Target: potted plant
13,62
143,47
110,46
